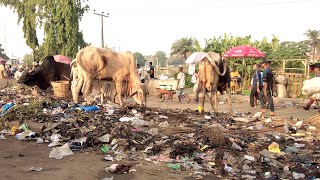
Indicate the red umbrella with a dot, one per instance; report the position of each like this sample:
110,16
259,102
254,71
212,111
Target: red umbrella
62,59
244,51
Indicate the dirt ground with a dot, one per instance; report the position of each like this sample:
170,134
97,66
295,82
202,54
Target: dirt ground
16,157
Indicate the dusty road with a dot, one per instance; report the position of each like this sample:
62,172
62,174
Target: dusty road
89,165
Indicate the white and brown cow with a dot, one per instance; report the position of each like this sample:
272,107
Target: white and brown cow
214,76
103,64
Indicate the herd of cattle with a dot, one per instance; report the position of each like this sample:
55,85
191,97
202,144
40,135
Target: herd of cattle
115,74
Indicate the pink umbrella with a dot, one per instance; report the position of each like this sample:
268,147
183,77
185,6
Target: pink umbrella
62,59
244,51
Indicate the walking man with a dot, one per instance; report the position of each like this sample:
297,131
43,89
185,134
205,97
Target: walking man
256,85
267,89
181,83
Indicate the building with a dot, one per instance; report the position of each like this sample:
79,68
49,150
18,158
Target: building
14,61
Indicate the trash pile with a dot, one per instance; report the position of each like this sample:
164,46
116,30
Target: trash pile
243,146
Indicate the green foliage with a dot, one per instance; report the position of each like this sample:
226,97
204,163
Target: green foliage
314,40
139,58
28,59
60,20
184,45
160,56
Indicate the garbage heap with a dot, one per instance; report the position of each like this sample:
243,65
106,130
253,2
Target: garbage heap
235,146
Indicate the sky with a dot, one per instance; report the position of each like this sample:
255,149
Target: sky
148,26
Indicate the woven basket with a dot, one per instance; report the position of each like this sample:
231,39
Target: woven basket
61,89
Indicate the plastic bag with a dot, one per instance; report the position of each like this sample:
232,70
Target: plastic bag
311,86
60,152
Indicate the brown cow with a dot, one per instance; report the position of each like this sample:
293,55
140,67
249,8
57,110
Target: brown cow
108,65
212,80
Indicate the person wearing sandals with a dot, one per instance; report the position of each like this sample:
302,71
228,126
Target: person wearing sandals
267,88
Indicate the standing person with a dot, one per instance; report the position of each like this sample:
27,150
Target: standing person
151,70
196,89
235,77
9,68
256,85
181,83
3,71
267,88
316,67
140,73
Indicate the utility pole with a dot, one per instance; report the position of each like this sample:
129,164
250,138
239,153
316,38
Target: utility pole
102,16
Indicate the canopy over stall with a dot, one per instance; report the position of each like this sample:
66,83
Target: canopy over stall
244,52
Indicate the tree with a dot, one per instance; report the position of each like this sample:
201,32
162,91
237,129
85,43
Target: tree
182,46
161,58
2,54
28,59
314,39
60,20
139,58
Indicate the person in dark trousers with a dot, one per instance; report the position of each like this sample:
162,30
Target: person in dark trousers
316,69
256,85
267,90
151,70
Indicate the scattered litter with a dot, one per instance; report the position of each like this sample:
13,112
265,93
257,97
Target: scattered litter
108,178
119,168
236,147
89,108
2,137
257,115
298,145
39,141
105,148
105,138
55,138
163,117
108,158
268,120
274,147
250,158
173,166
60,152
227,168
37,169
298,175
6,107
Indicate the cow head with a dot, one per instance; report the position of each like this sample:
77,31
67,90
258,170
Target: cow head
141,95
33,78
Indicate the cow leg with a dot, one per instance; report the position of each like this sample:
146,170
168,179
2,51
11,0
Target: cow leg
213,99
216,100
203,95
86,89
119,92
76,89
229,98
